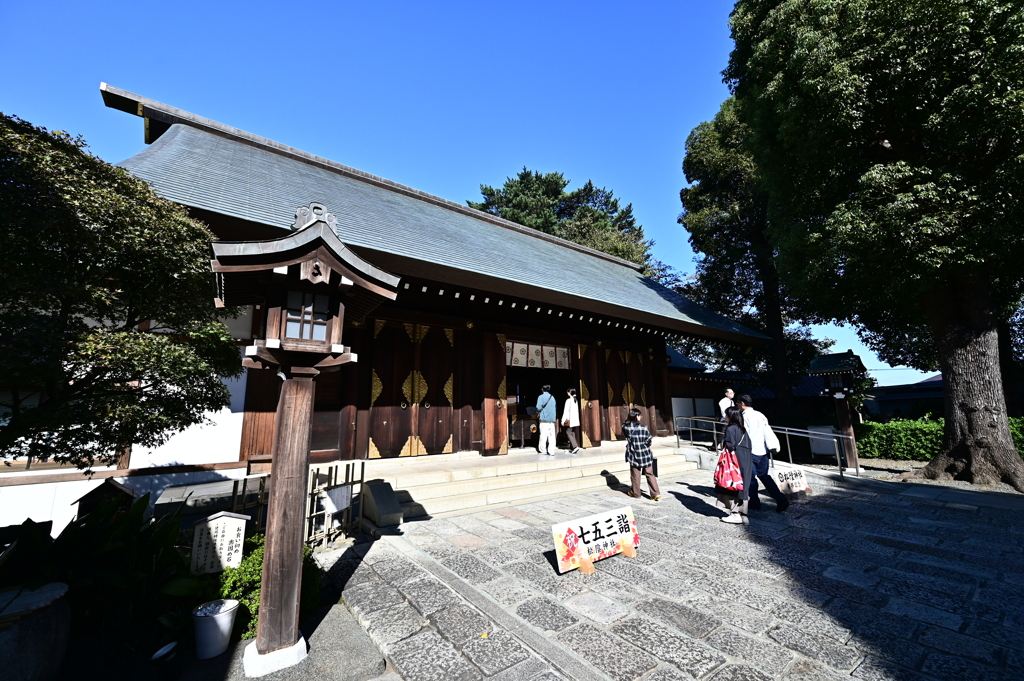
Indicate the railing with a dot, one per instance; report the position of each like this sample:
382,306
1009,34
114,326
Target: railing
330,495
709,424
836,438
240,503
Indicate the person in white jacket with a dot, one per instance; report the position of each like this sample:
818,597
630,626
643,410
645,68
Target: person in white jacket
762,439
571,420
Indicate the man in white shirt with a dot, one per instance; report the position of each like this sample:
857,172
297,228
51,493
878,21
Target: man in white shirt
724,404
762,439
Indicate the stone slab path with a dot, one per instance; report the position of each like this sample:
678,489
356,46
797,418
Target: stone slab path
849,583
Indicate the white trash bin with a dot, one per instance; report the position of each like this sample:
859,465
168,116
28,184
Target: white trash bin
213,622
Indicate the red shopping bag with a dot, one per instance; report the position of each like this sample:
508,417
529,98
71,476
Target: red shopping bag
727,472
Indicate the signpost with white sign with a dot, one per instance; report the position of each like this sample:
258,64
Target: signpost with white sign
581,542
791,481
217,543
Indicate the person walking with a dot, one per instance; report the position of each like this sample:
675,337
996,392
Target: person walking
737,441
571,420
547,415
724,404
639,455
762,439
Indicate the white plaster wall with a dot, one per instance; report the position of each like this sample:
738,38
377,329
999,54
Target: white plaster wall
56,501
216,443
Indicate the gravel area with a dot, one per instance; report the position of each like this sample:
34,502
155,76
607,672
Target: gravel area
892,469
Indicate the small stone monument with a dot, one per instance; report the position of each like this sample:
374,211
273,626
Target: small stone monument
218,542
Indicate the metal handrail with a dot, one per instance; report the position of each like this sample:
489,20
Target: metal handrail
778,430
713,430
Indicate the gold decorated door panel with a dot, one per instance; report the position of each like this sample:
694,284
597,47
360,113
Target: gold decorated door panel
412,387
436,390
495,402
616,391
589,394
392,415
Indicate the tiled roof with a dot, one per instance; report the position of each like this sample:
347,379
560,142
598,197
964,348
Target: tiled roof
837,363
808,386
678,360
206,165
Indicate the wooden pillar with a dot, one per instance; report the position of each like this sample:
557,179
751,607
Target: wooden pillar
278,625
846,428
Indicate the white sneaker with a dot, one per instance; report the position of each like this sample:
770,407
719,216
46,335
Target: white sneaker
733,519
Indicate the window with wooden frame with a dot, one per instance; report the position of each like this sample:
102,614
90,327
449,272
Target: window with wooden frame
307,316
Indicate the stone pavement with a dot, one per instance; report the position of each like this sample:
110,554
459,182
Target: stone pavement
849,583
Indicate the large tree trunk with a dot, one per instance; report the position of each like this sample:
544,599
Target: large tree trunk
978,446
772,298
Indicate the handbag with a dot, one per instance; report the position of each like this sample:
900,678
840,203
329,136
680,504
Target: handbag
727,472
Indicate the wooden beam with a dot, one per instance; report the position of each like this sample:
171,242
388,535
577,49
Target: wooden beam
16,480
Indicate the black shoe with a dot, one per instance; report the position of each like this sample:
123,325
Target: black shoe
781,506
752,507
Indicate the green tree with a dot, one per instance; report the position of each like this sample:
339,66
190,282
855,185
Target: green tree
891,139
108,332
587,216
726,213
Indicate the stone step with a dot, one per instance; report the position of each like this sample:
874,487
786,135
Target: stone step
406,474
423,501
590,467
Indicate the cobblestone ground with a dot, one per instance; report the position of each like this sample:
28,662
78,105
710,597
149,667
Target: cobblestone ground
844,585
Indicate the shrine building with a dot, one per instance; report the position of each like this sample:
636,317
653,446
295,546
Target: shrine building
486,312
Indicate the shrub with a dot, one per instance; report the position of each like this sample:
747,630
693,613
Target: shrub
118,567
243,582
917,440
1017,430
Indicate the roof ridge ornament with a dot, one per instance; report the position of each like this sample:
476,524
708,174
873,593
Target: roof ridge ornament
313,213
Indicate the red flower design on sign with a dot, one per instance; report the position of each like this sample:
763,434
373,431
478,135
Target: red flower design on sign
571,541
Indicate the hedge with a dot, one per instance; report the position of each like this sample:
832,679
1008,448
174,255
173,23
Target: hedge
917,440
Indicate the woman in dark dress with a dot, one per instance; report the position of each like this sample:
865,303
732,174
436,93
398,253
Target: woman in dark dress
736,441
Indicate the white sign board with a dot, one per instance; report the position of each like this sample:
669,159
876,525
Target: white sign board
217,543
594,537
791,481
337,499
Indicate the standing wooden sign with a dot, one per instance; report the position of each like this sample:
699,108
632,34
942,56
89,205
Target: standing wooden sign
217,543
581,542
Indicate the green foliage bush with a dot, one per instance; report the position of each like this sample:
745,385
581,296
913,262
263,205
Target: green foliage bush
243,583
1017,430
916,440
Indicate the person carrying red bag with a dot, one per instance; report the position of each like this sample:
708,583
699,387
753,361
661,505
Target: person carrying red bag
733,487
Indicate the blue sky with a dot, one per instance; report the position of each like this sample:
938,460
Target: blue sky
440,96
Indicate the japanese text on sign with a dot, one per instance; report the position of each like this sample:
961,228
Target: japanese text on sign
792,481
594,537
217,543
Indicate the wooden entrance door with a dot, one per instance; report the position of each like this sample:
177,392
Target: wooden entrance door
391,415
436,367
590,394
495,401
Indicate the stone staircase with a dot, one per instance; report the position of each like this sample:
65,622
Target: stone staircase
450,484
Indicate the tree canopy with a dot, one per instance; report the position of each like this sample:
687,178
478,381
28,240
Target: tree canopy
890,137
108,332
587,216
726,214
